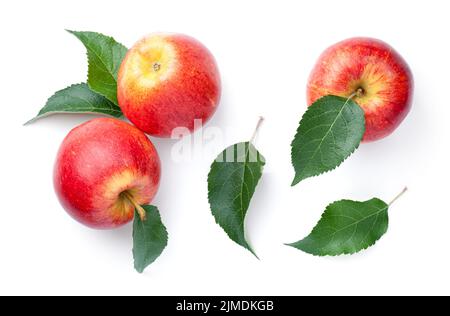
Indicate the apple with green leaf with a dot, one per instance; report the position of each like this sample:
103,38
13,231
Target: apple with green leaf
104,171
373,74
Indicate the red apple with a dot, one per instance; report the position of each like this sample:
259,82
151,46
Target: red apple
104,169
167,81
375,72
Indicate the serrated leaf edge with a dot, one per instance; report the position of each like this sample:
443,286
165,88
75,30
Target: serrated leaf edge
50,113
296,180
165,243
76,34
263,162
345,253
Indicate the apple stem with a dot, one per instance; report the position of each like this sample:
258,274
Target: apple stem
139,209
358,93
354,94
156,67
398,196
258,125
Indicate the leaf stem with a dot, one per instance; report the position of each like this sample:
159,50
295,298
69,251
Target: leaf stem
398,196
139,209
258,125
354,94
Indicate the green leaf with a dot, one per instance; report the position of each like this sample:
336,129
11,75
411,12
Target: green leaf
78,99
149,238
105,56
329,132
347,227
232,181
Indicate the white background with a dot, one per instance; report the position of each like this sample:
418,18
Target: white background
265,51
